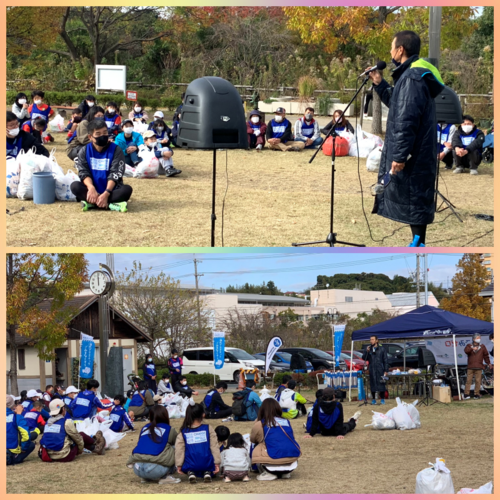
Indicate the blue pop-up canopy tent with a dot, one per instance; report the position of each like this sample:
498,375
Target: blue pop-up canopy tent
425,322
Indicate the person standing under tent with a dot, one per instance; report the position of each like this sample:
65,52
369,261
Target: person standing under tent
477,356
376,355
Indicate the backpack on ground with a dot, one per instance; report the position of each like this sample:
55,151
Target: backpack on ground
239,406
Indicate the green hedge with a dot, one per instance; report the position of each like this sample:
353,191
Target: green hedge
199,380
75,98
306,379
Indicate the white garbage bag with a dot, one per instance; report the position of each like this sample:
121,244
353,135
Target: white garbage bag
148,168
112,438
28,165
484,489
174,411
63,186
435,479
373,160
53,165
402,417
140,127
57,124
129,171
381,422
364,143
265,394
12,172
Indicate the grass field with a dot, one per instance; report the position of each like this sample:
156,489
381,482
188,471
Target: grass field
366,461
273,199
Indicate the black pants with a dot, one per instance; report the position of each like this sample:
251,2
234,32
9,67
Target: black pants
74,152
448,159
302,409
120,193
221,413
470,160
419,230
349,426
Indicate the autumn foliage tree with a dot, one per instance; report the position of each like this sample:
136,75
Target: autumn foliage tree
31,280
470,279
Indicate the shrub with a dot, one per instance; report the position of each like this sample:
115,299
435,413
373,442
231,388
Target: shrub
201,380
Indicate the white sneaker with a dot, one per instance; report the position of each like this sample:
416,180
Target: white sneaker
258,147
356,415
228,419
286,476
169,480
458,170
266,476
473,172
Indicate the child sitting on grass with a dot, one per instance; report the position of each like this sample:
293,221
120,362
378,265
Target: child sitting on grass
197,451
235,460
222,433
163,153
34,417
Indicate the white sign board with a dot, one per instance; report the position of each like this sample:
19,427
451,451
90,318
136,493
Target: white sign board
444,353
110,77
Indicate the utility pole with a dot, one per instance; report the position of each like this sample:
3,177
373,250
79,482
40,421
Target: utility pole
196,276
418,280
426,280
435,15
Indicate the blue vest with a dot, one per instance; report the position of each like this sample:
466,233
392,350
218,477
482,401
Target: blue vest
255,126
67,401
36,112
445,135
27,405
279,128
467,139
328,420
279,390
31,418
12,430
307,130
117,416
208,401
162,135
175,363
110,120
54,435
137,400
150,370
198,456
340,128
147,446
13,149
138,115
83,405
72,137
99,164
278,445
309,420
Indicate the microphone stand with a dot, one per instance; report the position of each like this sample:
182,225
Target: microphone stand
331,239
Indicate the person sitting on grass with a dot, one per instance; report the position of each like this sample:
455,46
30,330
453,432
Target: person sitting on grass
87,104
307,130
222,433
61,442
34,417
31,397
291,402
40,110
328,417
181,386
86,402
20,441
142,401
256,130
196,448
138,114
164,386
153,459
235,460
251,403
76,113
282,386
276,451
129,141
308,423
80,135
342,126
19,140
69,395
163,153
214,404
101,165
279,133
48,394
20,108
467,143
119,416
113,119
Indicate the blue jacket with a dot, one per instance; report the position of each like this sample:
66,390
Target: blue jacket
136,140
81,410
252,404
18,433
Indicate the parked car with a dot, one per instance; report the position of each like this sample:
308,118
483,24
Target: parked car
355,354
411,358
273,366
318,358
201,360
283,359
391,348
357,364
245,357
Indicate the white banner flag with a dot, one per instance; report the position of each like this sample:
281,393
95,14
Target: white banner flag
444,353
84,336
274,344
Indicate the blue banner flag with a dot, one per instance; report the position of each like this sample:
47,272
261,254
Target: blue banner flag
219,349
87,352
339,331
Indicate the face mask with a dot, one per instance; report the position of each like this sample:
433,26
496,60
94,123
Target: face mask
167,381
278,118
477,341
111,111
38,102
150,359
22,101
137,108
467,128
396,63
255,119
90,104
14,132
152,145
128,130
160,129
101,141
184,383
309,117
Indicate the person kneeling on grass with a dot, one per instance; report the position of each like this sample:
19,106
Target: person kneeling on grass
119,416
20,441
153,459
61,442
196,447
101,165
235,460
162,152
328,417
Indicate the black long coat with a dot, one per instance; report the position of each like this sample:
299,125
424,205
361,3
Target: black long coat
378,366
411,130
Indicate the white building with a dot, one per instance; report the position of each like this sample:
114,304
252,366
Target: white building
406,302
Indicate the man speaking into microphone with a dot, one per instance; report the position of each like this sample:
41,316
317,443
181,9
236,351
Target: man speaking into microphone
410,148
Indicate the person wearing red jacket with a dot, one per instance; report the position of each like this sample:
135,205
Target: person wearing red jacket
256,129
477,355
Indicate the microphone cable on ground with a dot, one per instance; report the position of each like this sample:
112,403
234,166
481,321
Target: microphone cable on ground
224,202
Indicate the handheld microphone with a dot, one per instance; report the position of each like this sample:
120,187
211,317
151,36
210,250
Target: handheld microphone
380,66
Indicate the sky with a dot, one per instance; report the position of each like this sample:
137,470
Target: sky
291,271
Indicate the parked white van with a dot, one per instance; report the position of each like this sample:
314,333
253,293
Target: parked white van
201,360
244,357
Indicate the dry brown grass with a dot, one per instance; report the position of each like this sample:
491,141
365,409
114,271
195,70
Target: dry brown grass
273,199
366,461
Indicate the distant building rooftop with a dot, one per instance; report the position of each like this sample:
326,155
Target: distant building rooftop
404,299
275,300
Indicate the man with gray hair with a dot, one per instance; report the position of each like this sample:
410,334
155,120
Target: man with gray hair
477,355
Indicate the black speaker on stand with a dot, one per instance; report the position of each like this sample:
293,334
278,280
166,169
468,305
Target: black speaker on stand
212,118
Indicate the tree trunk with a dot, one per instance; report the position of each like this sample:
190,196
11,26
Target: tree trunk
13,361
377,114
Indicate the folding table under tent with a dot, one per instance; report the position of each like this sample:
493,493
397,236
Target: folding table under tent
425,322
